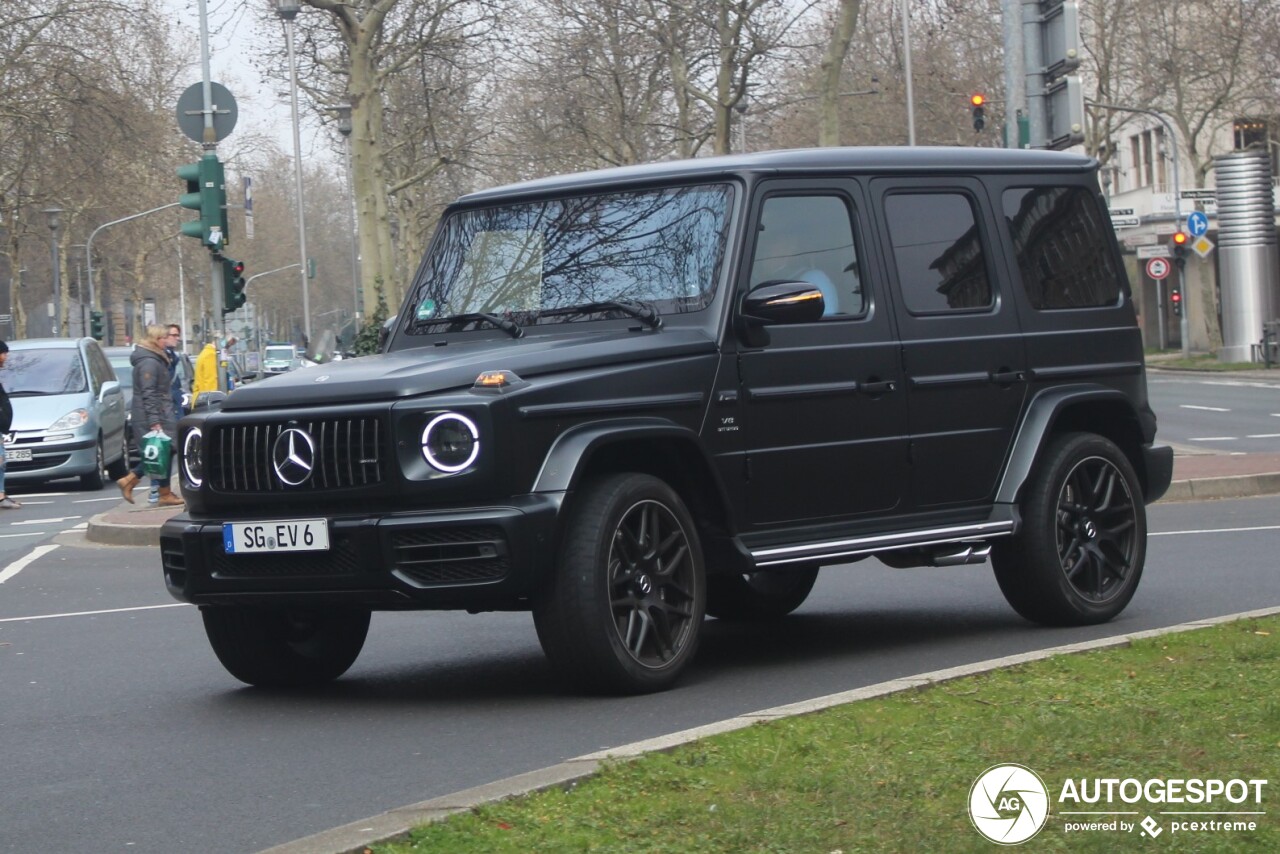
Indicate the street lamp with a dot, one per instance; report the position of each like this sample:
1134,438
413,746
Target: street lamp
343,112
288,10
54,215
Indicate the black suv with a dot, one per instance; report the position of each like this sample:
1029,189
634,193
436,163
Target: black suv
631,398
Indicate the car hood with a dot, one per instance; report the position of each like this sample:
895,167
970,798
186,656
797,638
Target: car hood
37,412
428,369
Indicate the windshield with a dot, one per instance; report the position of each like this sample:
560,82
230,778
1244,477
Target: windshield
659,247
54,371
279,354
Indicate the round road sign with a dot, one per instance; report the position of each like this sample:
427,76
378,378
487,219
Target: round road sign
1158,268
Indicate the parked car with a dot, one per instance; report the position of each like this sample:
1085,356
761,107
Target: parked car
628,399
69,412
280,359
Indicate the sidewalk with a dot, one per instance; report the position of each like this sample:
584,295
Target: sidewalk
1197,476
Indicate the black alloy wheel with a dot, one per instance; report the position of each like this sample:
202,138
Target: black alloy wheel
625,609
1079,554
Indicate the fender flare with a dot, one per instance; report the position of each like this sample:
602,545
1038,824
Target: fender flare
564,461
1042,412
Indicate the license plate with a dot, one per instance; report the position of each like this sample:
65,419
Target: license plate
17,455
293,535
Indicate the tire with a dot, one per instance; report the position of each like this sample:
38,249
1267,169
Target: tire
95,479
623,611
1079,554
759,595
119,468
285,648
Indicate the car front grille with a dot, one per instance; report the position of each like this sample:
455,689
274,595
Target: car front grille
349,452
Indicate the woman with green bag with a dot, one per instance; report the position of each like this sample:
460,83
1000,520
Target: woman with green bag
152,409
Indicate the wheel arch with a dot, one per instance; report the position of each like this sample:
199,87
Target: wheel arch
1089,409
652,446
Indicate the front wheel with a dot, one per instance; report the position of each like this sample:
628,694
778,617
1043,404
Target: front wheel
762,595
98,477
285,648
1078,558
624,610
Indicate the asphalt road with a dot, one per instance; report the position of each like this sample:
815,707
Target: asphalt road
1216,413
120,731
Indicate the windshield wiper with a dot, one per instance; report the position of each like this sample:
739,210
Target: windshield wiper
646,314
509,326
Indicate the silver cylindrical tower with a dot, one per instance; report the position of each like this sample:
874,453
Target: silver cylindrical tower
1247,260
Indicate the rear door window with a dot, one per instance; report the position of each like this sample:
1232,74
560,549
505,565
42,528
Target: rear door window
937,248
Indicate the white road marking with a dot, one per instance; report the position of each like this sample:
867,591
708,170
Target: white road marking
32,534
1212,439
23,562
55,519
93,613
1214,531
1264,436
91,500
1205,408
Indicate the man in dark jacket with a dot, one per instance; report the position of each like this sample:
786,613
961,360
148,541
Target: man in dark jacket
152,406
6,423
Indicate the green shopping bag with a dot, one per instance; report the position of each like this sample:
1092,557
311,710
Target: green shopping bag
156,451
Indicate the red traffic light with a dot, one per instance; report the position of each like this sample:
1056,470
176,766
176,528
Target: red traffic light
1175,295
237,267
977,100
1180,238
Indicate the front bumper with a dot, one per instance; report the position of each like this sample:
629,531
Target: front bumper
52,460
486,558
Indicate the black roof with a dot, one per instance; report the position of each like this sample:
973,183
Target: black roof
899,159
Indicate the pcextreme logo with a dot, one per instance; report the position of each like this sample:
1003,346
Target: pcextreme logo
1009,804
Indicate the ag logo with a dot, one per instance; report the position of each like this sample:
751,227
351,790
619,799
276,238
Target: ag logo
1008,804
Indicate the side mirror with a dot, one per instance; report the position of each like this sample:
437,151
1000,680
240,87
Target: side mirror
109,387
209,400
776,302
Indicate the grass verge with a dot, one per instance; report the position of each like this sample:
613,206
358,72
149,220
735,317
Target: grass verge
894,774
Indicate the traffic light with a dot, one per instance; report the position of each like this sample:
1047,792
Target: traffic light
1179,244
232,285
95,324
207,194
979,113
1175,300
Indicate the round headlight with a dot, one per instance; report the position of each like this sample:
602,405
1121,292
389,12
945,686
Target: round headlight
193,457
450,442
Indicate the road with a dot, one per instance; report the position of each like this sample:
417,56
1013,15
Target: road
120,731
1217,413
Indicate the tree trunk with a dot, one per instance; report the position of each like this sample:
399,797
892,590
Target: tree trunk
829,72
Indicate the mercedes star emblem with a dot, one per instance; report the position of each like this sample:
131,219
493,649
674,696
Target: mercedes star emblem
293,456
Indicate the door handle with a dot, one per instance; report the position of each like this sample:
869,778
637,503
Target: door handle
879,387
1003,377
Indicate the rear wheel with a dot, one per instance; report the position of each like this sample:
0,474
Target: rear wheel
624,610
1078,558
96,478
285,648
759,595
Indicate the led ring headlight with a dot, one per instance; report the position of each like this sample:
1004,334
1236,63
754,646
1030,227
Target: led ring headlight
192,457
450,442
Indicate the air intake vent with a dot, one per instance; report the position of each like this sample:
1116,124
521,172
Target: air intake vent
343,453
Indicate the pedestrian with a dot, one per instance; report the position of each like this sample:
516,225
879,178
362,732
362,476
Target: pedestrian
152,407
6,424
206,373
178,374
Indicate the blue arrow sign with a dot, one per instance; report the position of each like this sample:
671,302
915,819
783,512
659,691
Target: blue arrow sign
1197,223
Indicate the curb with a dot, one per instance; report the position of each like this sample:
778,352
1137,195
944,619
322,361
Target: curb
143,532
1236,486
354,838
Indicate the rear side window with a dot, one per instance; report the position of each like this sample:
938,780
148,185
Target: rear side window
1064,247
938,251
